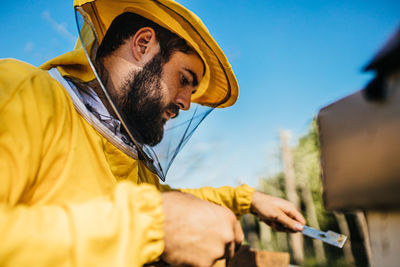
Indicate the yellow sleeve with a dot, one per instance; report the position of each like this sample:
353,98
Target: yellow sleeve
124,228
236,199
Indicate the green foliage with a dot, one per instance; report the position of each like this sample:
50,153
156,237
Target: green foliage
274,186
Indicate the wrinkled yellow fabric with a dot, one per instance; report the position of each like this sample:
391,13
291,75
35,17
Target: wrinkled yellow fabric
68,197
236,199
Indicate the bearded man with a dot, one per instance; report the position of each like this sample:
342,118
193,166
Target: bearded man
78,140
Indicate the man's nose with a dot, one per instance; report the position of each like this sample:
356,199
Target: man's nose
183,99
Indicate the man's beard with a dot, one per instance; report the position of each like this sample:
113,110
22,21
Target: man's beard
142,106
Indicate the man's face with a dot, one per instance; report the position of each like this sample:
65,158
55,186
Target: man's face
156,93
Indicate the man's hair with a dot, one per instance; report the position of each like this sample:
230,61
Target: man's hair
127,24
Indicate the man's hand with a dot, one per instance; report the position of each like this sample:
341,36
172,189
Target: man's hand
197,232
278,213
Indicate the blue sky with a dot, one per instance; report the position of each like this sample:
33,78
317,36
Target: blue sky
290,57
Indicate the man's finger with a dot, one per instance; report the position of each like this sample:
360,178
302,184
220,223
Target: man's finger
295,214
288,222
239,235
229,251
280,227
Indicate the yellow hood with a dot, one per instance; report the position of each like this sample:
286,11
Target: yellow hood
219,85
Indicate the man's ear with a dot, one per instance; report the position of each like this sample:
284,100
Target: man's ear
144,44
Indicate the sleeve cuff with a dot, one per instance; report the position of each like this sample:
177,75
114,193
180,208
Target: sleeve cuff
149,215
244,197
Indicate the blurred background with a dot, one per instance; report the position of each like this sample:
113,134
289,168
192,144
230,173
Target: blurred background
291,58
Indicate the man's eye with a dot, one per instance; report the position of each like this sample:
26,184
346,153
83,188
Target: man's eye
184,81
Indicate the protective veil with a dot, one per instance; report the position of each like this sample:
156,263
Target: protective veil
211,93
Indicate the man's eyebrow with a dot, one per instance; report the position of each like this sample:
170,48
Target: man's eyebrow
195,81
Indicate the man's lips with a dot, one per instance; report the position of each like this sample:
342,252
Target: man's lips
169,114
170,111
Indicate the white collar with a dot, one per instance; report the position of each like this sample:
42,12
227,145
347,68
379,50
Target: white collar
89,105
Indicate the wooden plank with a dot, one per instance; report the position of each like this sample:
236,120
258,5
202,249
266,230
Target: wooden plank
384,232
258,258
247,257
